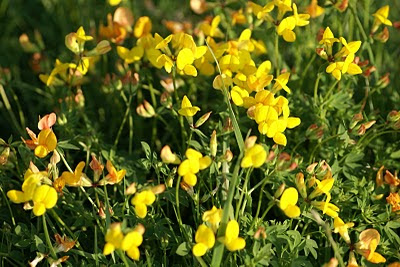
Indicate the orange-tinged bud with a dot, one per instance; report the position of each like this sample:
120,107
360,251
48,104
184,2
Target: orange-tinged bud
131,189
383,36
145,110
250,141
279,191
393,116
301,187
168,157
4,156
379,176
228,156
198,6
356,118
158,189
260,233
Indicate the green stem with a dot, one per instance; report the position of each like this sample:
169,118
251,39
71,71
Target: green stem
8,205
366,40
48,241
246,181
219,248
201,261
121,127
62,223
329,92
236,128
316,89
9,109
276,47
271,204
183,132
123,257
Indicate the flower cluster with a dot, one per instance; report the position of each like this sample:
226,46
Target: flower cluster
34,190
192,165
343,61
205,234
285,25
128,242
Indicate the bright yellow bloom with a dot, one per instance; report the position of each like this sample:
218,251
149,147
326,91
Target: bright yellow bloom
288,202
114,2
323,187
130,244
342,67
328,39
301,19
239,95
142,27
369,240
74,179
205,240
254,157
130,56
113,238
326,208
47,142
212,29
44,197
75,41
213,217
280,83
342,228
141,201
285,29
28,189
231,239
222,80
261,79
192,165
381,16
348,48
187,109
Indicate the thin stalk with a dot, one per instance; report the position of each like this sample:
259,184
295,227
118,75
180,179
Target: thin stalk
121,254
316,89
276,47
201,261
48,241
9,109
183,132
219,248
270,205
8,205
246,181
236,128
121,127
62,223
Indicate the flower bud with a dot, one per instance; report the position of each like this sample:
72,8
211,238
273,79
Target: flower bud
27,45
364,127
315,132
383,81
145,110
202,119
393,116
228,156
279,191
213,144
228,127
377,197
222,81
55,158
140,229
198,6
250,141
4,156
341,5
379,176
322,53
383,36
168,157
369,70
299,181
131,189
356,118
102,47
260,233
169,182
158,189
166,100
59,184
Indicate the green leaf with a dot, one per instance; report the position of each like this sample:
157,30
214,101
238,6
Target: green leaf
395,155
146,149
66,145
183,249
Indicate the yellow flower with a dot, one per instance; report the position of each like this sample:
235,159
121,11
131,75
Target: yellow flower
222,80
73,179
205,240
239,95
114,2
192,165
75,41
394,200
381,16
288,202
212,29
314,9
130,244
142,27
187,109
348,48
328,39
141,201
342,228
285,29
301,19
254,157
326,208
113,238
281,81
47,142
231,239
132,55
323,187
28,189
44,197
342,67
213,217
369,240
